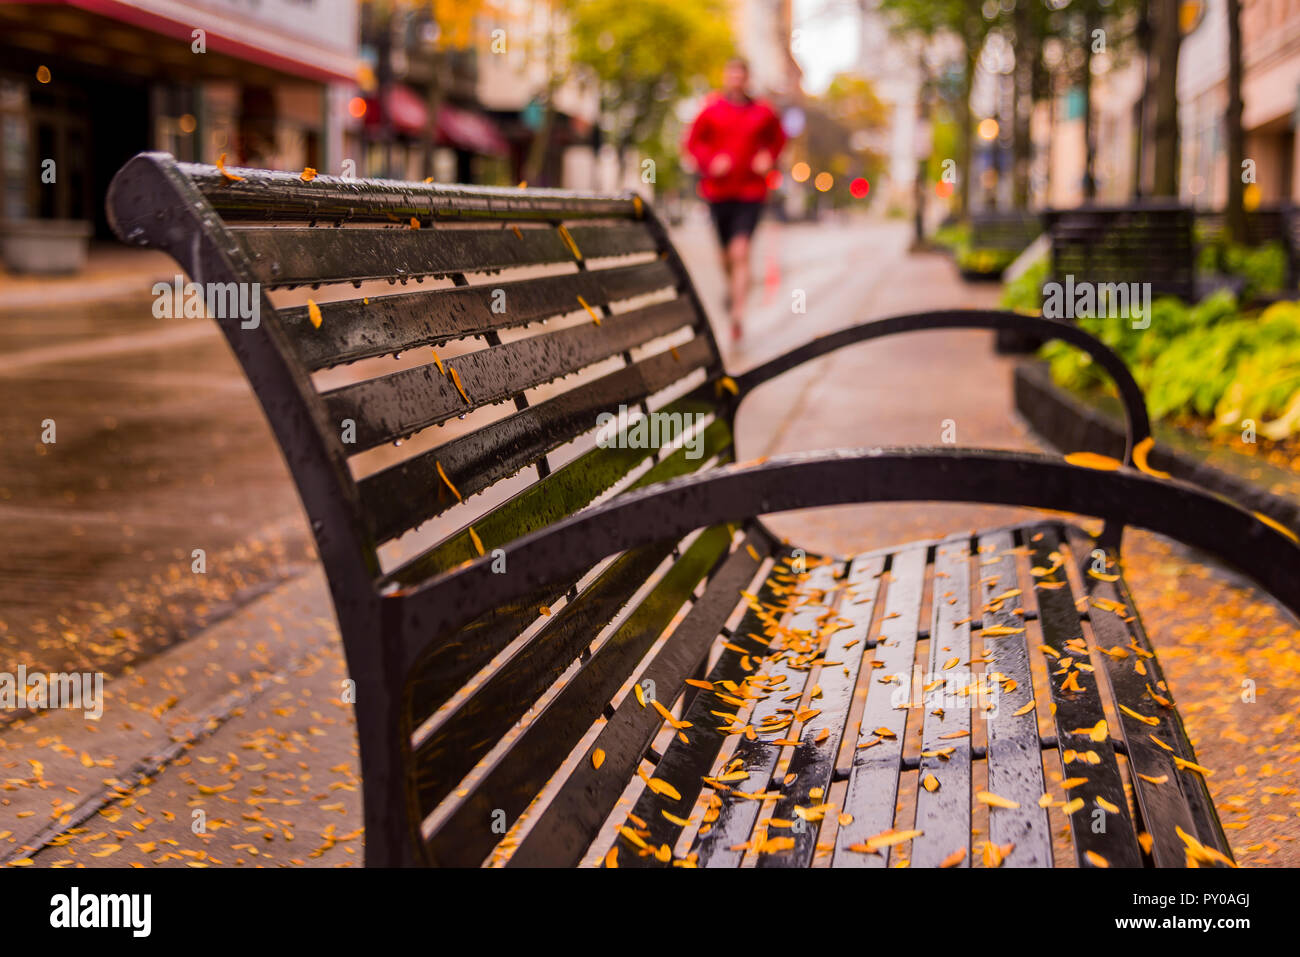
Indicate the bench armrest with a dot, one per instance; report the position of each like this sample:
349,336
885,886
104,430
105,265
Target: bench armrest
1138,425
737,493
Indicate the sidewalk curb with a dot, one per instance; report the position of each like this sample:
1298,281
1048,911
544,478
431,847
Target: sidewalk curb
198,685
1069,424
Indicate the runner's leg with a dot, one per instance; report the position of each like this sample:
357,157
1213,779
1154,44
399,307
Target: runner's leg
738,279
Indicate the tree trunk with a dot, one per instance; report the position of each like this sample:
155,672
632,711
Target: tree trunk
1026,45
535,163
966,135
1167,40
1142,110
1089,143
1236,213
538,148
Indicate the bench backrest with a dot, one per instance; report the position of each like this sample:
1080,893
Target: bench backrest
1013,230
1142,243
594,288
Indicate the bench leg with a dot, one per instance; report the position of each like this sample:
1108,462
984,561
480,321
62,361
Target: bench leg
390,833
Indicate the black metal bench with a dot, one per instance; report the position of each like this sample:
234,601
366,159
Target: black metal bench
996,239
618,633
1267,224
1148,242
1142,243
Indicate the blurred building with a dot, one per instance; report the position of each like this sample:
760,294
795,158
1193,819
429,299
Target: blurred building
521,65
1271,106
894,67
88,83
418,114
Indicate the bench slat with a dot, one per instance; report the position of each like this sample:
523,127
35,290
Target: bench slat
403,403
1183,800
873,780
1015,762
270,195
352,329
736,818
573,818
813,762
579,482
405,495
684,765
944,815
464,837
302,256
473,729
1077,712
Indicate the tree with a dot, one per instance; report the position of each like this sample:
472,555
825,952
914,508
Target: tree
846,145
964,20
647,56
1165,43
1236,212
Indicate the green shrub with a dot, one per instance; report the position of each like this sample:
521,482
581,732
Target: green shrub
1204,361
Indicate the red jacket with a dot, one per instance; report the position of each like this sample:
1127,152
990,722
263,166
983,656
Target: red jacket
739,130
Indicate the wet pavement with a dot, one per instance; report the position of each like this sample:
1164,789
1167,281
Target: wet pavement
162,449
159,449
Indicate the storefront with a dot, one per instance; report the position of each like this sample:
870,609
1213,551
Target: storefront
85,84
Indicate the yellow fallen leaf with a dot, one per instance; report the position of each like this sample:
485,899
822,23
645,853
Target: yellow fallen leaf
1184,765
443,475
1277,526
1140,717
455,379
1140,453
930,783
568,241
955,858
1095,859
884,839
1091,460
308,174
1001,631
591,312
313,313
993,800
597,758
221,168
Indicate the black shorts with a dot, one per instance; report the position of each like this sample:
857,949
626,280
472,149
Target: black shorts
735,217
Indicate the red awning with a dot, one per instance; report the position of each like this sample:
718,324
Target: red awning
468,130
406,111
